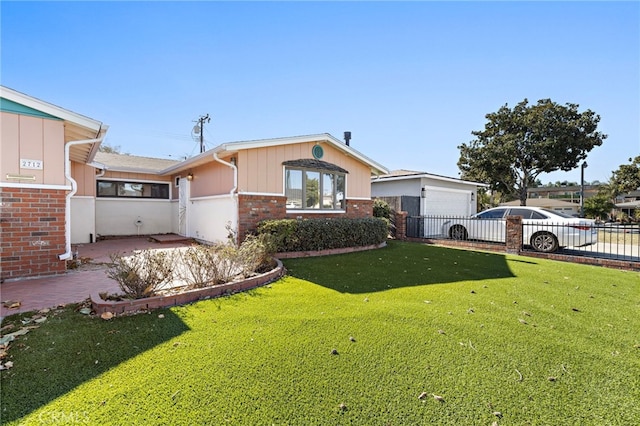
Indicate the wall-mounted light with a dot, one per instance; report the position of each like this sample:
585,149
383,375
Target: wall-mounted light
233,160
190,177
473,197
423,193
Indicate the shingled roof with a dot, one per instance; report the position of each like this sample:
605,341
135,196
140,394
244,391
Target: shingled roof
132,163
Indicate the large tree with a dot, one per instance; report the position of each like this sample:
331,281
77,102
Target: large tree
627,177
519,144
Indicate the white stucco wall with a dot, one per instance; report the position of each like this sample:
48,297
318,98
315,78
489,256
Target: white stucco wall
118,217
208,217
83,216
395,188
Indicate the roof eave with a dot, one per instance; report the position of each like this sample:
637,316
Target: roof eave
56,111
427,176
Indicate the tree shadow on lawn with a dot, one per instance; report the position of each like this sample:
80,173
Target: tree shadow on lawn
400,264
90,346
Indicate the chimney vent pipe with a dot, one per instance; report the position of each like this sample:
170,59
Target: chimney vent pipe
347,137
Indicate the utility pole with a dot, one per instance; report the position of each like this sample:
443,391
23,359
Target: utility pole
201,121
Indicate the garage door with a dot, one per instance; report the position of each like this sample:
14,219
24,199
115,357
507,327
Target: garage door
446,202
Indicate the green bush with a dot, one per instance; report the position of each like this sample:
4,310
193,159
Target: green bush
322,234
381,209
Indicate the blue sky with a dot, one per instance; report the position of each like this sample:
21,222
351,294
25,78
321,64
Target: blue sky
410,80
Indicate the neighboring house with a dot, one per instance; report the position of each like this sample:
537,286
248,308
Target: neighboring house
425,194
567,193
56,189
629,208
43,147
566,207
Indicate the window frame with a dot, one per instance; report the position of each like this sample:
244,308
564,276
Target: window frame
339,204
165,196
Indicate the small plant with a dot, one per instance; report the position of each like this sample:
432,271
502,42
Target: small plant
255,254
220,263
142,274
200,266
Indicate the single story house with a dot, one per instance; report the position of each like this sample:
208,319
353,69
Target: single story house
629,208
56,189
425,194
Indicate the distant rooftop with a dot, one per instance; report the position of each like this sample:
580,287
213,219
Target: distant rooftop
124,162
408,174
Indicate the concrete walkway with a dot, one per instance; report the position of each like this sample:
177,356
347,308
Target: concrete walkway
76,285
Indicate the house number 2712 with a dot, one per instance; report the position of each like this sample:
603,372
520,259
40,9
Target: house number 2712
30,164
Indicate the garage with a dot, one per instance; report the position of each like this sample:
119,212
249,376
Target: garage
439,201
426,194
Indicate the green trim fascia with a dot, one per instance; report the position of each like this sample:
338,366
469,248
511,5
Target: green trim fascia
7,105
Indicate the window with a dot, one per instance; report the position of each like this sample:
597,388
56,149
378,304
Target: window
132,189
314,189
492,214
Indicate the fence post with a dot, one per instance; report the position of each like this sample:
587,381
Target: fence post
514,234
401,225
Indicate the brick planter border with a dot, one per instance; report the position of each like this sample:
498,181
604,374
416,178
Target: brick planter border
101,306
328,252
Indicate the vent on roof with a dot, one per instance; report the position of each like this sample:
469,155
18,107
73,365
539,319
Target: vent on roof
347,137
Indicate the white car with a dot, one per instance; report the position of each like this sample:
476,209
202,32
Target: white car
543,229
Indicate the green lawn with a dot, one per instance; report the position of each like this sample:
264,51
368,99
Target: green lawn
353,339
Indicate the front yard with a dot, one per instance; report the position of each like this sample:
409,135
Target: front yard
408,334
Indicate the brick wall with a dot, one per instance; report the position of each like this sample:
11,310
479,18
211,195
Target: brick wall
32,232
256,208
513,238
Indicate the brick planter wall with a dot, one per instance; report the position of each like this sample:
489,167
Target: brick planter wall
32,232
101,306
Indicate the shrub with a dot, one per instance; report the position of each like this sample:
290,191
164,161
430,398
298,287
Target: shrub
143,273
220,263
381,209
200,266
321,234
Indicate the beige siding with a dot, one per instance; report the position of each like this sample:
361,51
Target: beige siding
53,152
211,179
10,148
85,177
260,170
32,138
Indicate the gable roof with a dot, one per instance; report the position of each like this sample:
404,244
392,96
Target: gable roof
76,126
231,148
131,163
412,174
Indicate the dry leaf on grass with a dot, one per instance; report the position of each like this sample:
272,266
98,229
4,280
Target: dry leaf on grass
11,304
107,315
438,398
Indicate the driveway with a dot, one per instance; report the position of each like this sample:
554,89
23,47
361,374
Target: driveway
75,286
